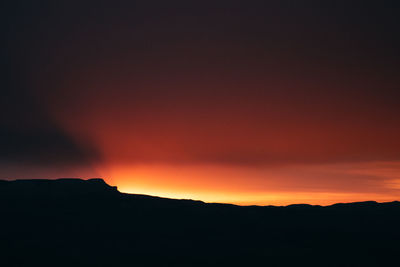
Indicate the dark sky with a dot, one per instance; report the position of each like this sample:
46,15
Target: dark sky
156,87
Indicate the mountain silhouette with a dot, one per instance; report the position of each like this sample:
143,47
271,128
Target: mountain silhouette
74,222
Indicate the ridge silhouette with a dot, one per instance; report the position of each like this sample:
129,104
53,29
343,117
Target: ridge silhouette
74,222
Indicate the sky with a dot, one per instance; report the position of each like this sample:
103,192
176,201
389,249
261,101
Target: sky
245,102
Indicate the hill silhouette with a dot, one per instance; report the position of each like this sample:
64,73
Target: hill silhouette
73,222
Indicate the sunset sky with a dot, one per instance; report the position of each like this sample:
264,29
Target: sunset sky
245,102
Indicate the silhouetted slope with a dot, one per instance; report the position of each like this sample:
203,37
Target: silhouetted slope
64,187
72,222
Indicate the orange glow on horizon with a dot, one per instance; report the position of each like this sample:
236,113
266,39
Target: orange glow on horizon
251,186
263,199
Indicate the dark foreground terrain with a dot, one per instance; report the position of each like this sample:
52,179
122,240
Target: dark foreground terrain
72,222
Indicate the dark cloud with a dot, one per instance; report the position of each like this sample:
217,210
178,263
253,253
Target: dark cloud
28,134
43,147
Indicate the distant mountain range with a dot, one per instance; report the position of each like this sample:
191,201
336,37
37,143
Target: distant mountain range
74,222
